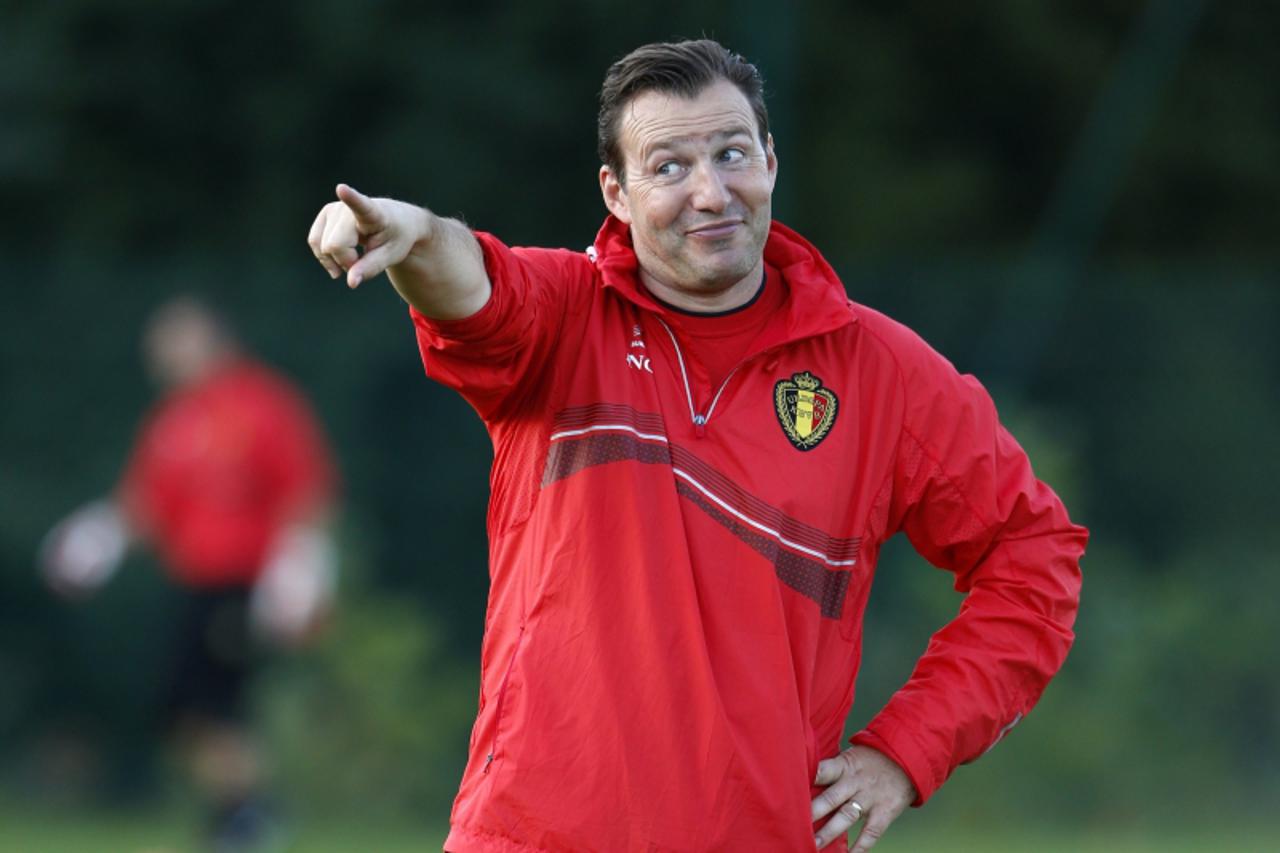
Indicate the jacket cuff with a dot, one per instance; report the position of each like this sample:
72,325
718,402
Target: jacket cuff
904,753
486,322
478,327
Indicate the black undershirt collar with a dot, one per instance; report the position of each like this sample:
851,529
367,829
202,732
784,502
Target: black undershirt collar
743,307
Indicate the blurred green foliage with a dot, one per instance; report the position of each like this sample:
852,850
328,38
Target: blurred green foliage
377,716
146,148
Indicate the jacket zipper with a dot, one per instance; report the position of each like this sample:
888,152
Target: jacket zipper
502,695
699,419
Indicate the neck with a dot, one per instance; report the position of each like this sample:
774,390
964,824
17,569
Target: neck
195,373
706,302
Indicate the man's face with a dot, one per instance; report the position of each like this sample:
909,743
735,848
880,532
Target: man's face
180,345
697,193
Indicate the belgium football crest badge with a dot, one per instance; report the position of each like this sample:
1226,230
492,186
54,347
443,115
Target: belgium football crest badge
806,410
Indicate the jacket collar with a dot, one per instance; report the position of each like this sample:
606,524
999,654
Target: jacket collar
816,299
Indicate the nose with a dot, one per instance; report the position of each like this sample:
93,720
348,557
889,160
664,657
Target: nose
709,190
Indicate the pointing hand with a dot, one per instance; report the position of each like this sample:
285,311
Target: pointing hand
363,236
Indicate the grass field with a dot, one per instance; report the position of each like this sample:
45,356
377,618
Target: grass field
50,831
56,831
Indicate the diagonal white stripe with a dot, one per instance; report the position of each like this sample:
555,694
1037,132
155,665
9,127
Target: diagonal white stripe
684,475
570,433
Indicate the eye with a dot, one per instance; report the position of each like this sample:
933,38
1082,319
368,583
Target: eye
667,169
732,155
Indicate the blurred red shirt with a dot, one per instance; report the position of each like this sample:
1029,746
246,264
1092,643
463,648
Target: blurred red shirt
220,467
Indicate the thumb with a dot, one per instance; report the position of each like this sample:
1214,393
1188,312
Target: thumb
366,212
829,771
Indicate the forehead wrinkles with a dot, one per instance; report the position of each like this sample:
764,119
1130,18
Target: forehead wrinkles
667,119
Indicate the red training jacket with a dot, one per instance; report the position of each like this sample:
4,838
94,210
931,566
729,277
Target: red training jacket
679,572
219,467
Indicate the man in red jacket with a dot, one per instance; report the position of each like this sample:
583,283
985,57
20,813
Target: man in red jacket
700,447
229,482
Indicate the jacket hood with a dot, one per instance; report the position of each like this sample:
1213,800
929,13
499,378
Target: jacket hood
816,300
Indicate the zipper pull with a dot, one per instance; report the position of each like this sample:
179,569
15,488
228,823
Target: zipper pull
700,425
488,759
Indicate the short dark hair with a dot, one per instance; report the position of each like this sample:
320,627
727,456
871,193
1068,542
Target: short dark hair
193,305
681,68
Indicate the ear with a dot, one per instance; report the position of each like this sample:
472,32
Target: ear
771,161
615,196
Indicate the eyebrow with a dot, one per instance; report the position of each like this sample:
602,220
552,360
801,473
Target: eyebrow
674,141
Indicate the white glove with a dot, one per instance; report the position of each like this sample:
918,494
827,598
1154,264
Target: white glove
83,551
294,592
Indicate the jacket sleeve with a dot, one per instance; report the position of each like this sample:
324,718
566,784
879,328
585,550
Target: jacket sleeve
964,493
493,356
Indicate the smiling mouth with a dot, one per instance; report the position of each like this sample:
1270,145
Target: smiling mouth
715,230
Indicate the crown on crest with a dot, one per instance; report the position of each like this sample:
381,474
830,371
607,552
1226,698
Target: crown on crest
807,381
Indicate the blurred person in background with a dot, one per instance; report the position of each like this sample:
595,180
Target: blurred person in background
700,445
230,482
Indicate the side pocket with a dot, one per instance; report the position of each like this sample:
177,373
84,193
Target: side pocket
502,697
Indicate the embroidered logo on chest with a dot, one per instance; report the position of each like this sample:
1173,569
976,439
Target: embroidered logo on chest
637,358
805,409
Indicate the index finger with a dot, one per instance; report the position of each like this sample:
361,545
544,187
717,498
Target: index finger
366,212
829,770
